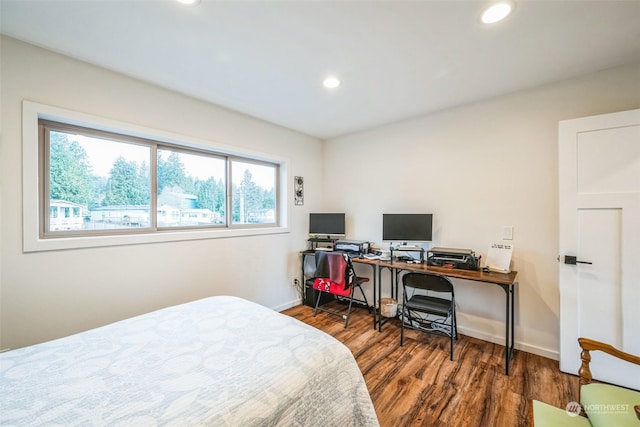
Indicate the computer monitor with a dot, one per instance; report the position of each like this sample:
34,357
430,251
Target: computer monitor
327,224
407,227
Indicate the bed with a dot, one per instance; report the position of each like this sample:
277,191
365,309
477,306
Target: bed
219,361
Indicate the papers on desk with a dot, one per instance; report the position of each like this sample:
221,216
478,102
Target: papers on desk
371,256
499,257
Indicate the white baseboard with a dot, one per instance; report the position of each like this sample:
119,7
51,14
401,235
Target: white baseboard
287,305
519,345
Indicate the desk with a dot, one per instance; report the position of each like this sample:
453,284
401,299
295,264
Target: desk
507,281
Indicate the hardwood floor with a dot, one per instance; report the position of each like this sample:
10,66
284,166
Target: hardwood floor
417,384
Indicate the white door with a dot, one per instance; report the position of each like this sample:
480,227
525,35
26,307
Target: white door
599,191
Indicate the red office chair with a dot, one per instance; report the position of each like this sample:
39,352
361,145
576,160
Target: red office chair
335,275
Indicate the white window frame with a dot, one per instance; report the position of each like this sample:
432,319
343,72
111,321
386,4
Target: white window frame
31,209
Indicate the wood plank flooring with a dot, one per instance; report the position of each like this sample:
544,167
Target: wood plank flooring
417,384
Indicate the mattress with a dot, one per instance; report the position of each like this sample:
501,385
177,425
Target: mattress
219,361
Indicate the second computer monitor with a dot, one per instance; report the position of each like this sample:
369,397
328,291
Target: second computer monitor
407,227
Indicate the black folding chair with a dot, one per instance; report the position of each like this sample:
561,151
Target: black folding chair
428,313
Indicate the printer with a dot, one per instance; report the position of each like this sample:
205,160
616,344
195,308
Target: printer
464,259
352,246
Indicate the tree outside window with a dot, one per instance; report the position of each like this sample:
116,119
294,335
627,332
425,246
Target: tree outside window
101,182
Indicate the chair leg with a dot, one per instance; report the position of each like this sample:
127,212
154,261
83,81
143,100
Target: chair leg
451,349
364,297
402,326
454,320
346,316
454,329
315,311
346,320
451,335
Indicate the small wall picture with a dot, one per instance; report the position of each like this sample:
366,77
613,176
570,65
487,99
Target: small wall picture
298,188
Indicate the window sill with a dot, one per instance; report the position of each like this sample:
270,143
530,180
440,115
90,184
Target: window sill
65,243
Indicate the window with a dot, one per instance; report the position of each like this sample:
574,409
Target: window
104,181
254,193
191,188
94,182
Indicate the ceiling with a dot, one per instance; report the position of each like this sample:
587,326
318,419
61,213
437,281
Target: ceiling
396,59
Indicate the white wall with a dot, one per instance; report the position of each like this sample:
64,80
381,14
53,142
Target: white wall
46,295
477,168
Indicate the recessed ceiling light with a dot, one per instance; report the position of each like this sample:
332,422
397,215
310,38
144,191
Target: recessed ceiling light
331,82
496,12
189,2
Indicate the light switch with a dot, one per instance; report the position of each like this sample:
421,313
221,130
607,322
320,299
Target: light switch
507,232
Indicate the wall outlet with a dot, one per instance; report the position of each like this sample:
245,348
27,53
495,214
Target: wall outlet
295,282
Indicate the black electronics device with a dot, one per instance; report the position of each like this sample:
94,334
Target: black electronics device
311,295
350,246
464,259
407,227
327,224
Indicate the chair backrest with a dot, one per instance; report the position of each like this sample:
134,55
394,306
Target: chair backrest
428,282
333,266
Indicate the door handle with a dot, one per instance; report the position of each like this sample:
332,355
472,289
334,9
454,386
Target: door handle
572,260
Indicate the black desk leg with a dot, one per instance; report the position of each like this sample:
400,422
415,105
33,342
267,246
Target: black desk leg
303,281
510,326
512,291
379,300
380,319
393,277
375,308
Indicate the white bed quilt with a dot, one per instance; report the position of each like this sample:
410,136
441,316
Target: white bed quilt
219,361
